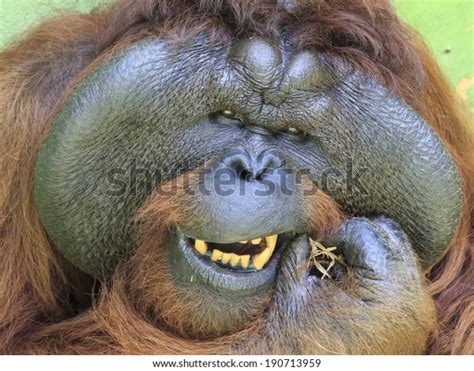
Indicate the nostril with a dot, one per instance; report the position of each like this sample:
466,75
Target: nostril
241,165
247,175
243,171
251,169
260,175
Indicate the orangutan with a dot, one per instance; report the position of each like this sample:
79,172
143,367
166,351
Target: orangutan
168,167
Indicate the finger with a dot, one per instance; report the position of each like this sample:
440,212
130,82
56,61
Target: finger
363,244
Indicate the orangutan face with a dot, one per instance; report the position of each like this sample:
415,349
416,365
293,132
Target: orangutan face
237,123
231,177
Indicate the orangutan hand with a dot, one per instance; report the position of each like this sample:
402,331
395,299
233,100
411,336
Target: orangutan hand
380,300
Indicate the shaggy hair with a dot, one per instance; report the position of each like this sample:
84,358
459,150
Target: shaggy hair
47,305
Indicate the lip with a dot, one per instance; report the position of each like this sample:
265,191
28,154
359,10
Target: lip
190,267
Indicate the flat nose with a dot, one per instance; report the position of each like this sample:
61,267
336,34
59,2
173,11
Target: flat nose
251,167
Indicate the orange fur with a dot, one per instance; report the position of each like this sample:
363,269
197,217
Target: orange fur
48,306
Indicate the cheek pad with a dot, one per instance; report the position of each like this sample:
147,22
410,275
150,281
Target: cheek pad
124,117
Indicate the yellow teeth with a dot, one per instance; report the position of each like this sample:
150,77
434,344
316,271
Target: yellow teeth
216,255
255,241
271,242
226,258
261,259
234,260
201,247
244,261
256,261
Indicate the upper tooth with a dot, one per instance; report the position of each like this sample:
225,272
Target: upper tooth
200,246
271,242
234,259
216,255
261,259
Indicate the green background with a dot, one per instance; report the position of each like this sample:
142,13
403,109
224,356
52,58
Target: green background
447,25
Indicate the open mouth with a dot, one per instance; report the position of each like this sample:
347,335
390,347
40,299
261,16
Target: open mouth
245,256
243,268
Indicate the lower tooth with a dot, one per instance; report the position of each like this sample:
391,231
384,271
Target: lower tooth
226,258
216,255
200,246
244,261
234,260
261,259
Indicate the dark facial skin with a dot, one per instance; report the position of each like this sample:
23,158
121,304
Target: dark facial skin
230,106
